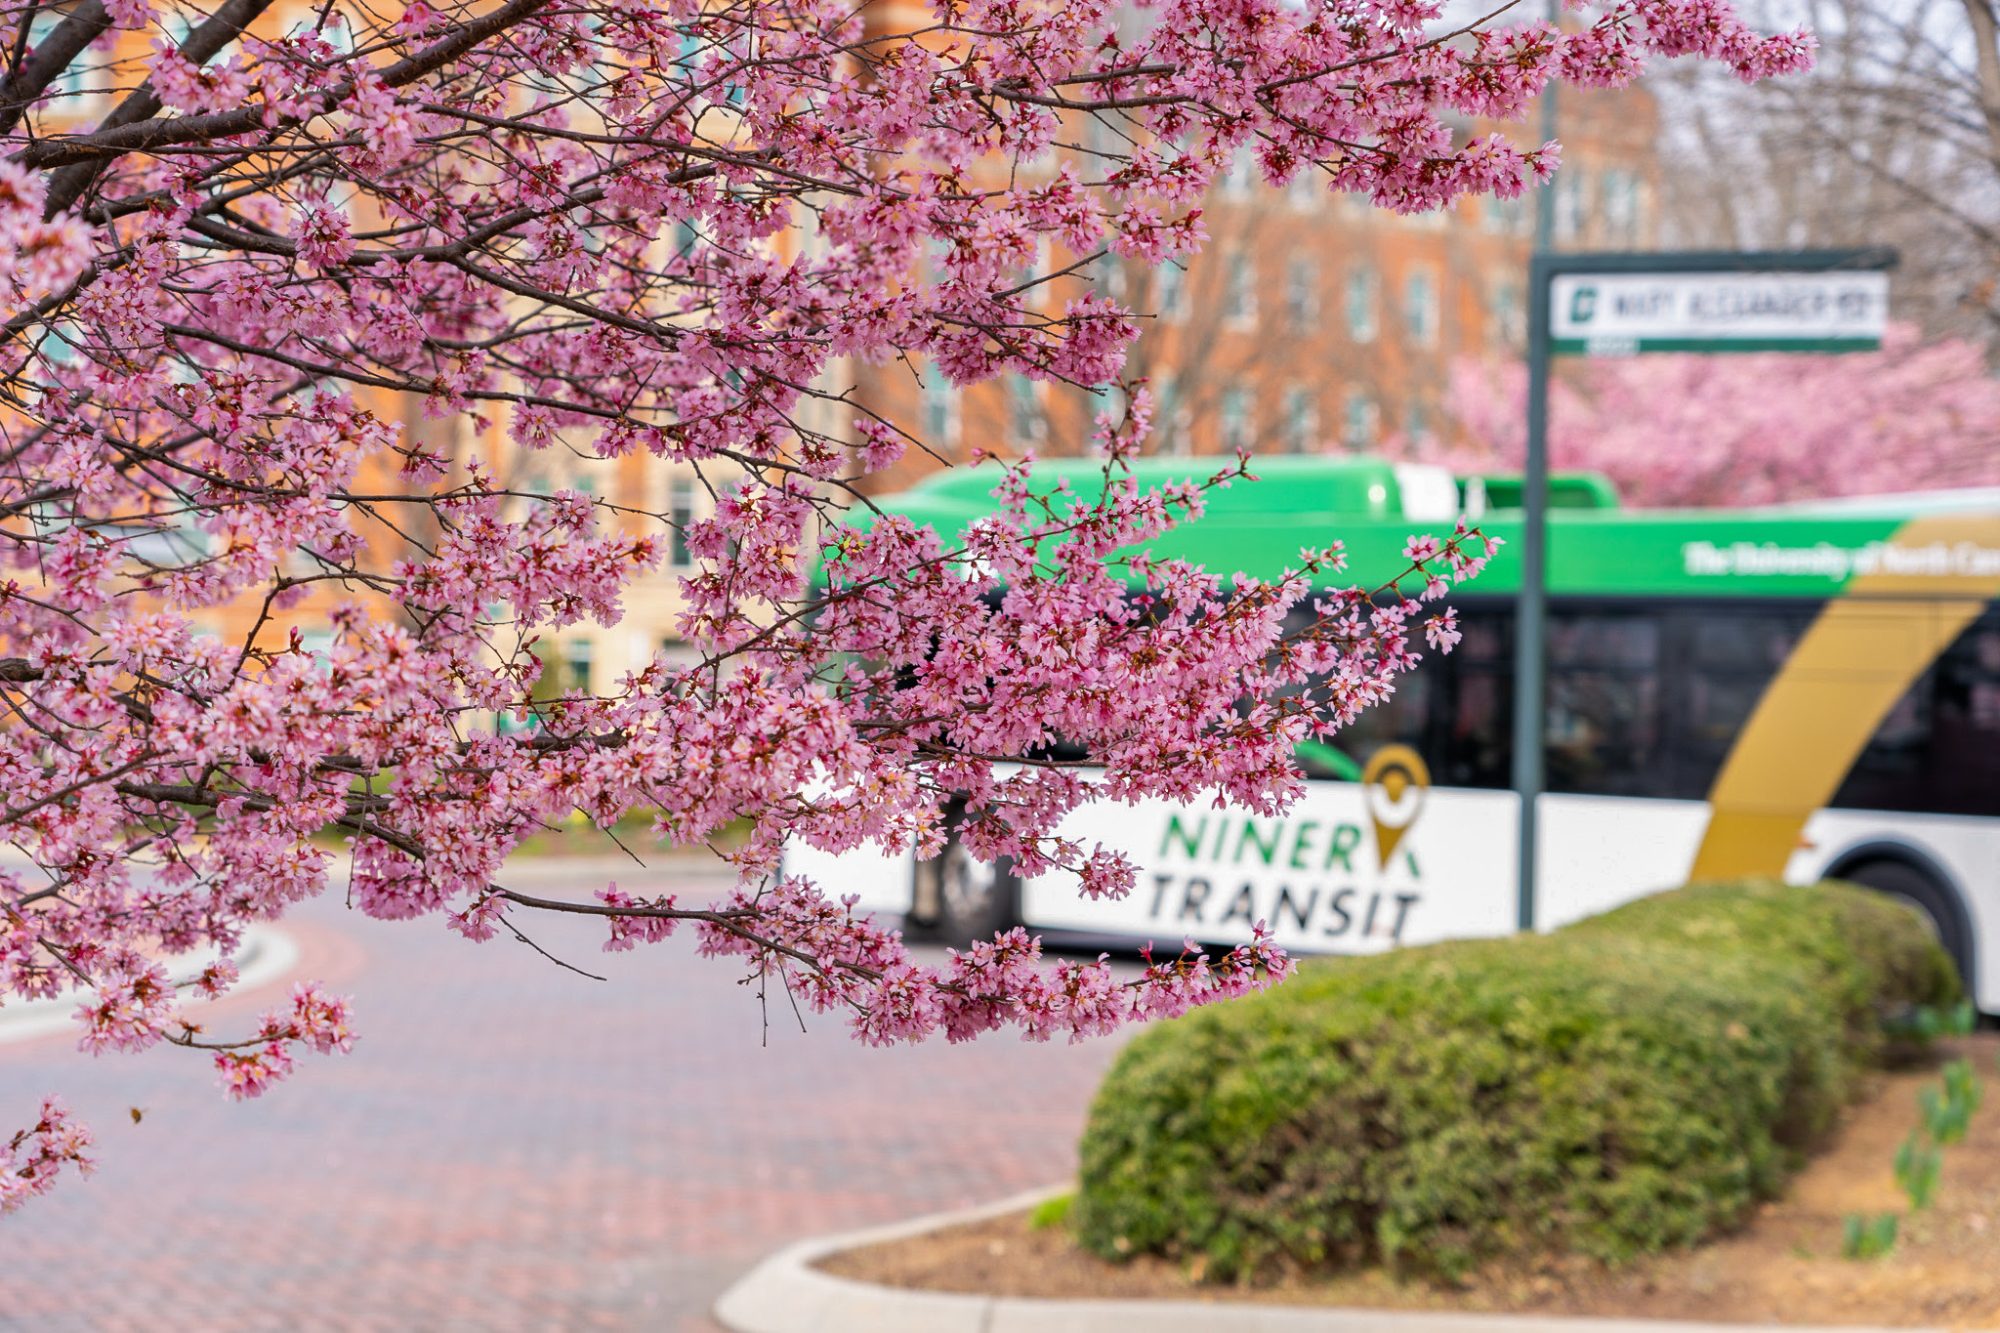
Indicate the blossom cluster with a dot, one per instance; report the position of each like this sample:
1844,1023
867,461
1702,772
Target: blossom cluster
31,1160
245,1069
293,310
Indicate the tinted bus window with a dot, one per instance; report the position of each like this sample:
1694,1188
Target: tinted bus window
1965,757
1721,659
1939,748
1604,713
1455,709
1472,719
1403,717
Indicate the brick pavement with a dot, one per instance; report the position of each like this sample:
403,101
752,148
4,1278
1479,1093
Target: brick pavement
511,1146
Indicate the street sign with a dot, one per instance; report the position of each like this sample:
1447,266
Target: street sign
1619,314
1620,304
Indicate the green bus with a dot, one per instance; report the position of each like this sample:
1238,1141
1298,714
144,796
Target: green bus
1801,691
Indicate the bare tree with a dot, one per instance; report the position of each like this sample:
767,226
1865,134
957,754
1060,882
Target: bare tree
1893,139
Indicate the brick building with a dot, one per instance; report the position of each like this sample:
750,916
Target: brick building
584,657
1311,321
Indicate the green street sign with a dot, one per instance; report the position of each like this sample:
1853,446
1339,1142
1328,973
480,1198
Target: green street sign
1625,313
1687,301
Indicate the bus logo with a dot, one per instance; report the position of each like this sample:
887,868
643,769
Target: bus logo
1396,781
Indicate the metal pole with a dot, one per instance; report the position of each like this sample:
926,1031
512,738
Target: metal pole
1531,617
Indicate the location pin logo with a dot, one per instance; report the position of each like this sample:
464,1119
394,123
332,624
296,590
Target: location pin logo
1396,781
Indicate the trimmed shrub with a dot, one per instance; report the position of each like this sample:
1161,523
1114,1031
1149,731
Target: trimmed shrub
1635,1082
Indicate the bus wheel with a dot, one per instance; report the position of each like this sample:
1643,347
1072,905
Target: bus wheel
1940,910
976,899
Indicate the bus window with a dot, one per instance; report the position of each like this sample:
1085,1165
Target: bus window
1965,759
1604,703
1402,718
1728,656
1472,704
1486,638
1893,773
1939,748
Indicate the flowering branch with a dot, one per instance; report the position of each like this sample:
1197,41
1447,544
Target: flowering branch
292,327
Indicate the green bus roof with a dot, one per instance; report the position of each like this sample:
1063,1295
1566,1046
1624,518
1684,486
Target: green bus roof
1596,547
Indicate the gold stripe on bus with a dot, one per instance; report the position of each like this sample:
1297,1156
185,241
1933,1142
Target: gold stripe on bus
1863,652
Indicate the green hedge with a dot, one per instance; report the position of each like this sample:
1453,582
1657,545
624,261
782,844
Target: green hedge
1634,1082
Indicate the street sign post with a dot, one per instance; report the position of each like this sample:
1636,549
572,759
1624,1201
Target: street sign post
1632,304
1622,313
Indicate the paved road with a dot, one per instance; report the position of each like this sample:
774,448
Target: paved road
510,1146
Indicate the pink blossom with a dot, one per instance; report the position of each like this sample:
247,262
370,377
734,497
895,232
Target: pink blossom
324,236
247,1074
130,14
628,931
335,346
185,86
129,1008
32,1158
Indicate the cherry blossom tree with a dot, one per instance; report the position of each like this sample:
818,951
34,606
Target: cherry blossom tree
1749,429
232,236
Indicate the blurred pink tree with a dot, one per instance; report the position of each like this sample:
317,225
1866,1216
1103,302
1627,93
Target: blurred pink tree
1752,429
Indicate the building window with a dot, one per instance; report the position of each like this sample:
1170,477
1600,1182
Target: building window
1111,403
1361,299
680,513
1170,417
1621,207
1302,294
1358,420
1433,218
1099,139
1569,203
1112,271
1420,308
1236,182
1506,330
1172,290
60,346
1236,418
1306,190
70,93
1508,217
576,656
1239,297
940,405
1301,420
1417,424
675,653
1024,411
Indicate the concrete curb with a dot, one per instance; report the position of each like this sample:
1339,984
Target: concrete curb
267,954
787,1294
